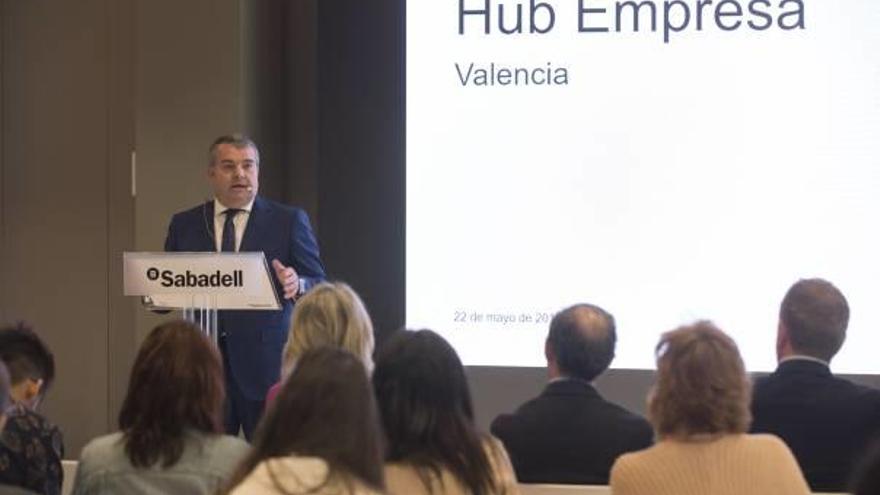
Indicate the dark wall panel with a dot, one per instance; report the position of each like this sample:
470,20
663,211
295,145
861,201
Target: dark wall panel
361,150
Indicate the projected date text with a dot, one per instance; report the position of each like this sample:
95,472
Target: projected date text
502,318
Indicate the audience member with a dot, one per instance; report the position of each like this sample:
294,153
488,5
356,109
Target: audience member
6,403
700,411
171,423
826,421
31,448
433,444
320,436
330,314
569,433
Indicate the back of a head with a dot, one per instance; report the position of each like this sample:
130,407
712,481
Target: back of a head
702,387
426,408
582,339
176,384
330,314
815,314
26,356
325,409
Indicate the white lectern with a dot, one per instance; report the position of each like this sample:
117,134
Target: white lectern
200,284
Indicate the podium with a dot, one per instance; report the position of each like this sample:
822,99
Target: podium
200,284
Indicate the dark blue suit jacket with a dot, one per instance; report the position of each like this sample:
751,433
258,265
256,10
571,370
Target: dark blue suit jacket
569,434
827,422
254,339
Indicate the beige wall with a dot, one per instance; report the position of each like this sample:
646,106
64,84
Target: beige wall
64,208
83,85
187,92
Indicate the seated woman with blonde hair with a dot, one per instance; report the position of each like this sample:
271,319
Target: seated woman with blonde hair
699,408
329,314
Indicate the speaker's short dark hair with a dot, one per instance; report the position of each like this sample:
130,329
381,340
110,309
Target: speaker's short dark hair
26,355
815,314
582,338
238,141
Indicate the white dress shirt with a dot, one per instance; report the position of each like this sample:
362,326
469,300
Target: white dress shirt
240,222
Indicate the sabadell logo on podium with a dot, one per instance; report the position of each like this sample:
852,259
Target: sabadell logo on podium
189,279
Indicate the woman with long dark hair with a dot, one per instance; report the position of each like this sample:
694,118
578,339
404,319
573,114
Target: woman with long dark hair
321,435
171,423
433,444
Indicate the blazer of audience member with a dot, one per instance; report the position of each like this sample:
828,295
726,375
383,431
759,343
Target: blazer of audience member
253,339
171,423
433,446
330,314
826,421
866,477
320,436
699,407
569,433
31,448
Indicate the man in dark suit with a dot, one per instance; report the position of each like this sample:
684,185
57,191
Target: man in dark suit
569,433
826,421
238,220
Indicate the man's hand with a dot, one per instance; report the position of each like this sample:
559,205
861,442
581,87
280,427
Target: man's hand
288,278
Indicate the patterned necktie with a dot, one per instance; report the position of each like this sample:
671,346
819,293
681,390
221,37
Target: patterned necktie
227,244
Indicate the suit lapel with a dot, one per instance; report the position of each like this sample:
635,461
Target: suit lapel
209,243
255,226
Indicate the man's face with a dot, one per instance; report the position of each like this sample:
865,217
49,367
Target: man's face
234,175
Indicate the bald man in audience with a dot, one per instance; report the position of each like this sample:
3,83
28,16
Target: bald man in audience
569,433
827,421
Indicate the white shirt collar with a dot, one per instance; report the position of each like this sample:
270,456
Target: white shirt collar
219,208
564,378
801,357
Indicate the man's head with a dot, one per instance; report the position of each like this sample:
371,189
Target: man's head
581,342
812,320
31,366
233,170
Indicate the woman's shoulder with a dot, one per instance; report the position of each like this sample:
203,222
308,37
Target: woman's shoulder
104,454
634,461
296,473
214,451
762,440
766,445
224,444
756,444
103,449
